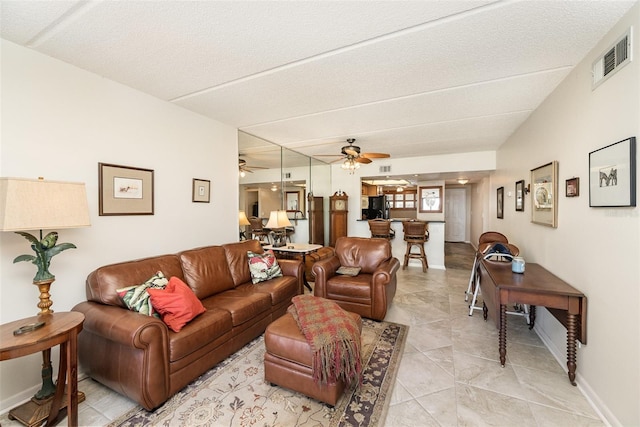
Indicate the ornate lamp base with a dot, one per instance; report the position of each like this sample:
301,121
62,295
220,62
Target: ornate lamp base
36,411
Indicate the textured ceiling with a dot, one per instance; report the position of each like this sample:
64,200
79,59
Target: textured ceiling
409,78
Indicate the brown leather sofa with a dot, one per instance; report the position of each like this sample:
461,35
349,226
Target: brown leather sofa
370,292
139,357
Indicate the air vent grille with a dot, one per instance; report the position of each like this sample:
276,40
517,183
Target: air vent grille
286,175
615,58
385,169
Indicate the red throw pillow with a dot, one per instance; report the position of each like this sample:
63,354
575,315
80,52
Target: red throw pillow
177,304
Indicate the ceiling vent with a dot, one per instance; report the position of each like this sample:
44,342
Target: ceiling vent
385,169
616,57
286,175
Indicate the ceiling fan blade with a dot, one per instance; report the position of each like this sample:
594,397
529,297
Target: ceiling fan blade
351,151
375,155
362,160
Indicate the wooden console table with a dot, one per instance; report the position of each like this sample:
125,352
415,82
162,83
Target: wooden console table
537,286
59,329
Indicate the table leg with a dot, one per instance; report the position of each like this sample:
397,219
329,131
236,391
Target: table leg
304,274
72,410
502,340
571,347
532,316
62,377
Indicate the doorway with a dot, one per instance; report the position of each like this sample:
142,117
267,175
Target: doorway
455,215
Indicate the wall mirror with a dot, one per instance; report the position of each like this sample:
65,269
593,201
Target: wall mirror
272,177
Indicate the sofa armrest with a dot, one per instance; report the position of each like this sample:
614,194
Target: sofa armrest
383,287
385,271
324,270
126,351
295,268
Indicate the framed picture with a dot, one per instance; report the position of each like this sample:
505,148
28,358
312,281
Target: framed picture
572,187
612,175
201,191
430,199
124,190
500,202
520,196
293,201
544,190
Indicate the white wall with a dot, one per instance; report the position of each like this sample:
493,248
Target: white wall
594,249
58,122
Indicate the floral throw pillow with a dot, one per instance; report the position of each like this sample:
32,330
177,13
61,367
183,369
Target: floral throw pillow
136,297
263,266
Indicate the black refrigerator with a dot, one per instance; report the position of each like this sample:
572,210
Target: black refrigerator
378,208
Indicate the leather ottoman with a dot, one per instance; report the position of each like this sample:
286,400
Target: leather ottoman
287,361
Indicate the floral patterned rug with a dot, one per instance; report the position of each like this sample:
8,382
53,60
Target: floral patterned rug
234,392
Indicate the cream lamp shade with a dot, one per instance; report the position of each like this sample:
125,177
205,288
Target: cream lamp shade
36,204
278,219
242,218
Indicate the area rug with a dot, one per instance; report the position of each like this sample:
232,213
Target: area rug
234,392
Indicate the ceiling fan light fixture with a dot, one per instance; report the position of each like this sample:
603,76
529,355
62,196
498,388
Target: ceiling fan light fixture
463,181
242,174
350,165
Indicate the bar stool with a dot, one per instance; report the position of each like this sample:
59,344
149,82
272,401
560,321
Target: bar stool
381,228
416,233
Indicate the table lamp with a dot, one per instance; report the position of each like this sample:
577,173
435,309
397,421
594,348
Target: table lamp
243,221
278,220
27,204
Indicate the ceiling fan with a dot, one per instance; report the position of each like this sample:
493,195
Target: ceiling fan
243,167
352,157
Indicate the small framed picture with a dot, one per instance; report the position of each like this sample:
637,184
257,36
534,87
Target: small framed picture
500,202
612,175
572,187
201,190
124,190
520,196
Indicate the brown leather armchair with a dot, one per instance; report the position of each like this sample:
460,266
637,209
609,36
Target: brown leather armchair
371,291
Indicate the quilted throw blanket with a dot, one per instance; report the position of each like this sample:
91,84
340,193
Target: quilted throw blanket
334,338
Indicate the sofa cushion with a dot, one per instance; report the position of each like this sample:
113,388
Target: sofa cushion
136,297
208,327
263,266
280,289
238,260
206,270
356,289
176,303
102,284
243,302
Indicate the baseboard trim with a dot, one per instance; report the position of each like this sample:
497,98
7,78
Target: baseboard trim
583,385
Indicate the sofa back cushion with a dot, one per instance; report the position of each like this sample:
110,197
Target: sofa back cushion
238,260
102,283
206,270
362,252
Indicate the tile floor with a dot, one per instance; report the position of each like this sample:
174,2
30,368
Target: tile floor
449,374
